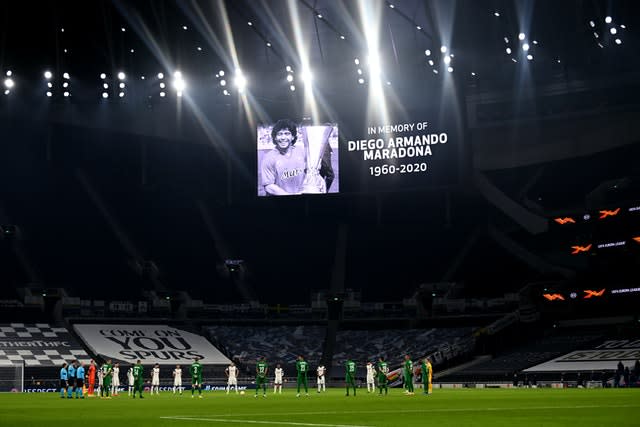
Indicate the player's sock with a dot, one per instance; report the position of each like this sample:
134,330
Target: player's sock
62,393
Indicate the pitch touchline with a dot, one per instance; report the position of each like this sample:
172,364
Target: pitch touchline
425,410
227,420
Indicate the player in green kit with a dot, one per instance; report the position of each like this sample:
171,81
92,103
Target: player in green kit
138,378
302,367
383,370
196,377
408,374
350,375
262,369
107,371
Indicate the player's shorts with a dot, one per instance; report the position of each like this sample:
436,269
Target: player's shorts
155,382
79,382
277,382
370,380
232,381
321,380
63,384
72,382
116,382
196,381
177,382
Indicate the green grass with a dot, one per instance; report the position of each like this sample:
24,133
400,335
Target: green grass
462,407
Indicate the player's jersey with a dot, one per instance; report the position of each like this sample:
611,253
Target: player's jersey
370,371
261,369
383,368
302,367
232,372
80,373
155,374
64,374
408,367
350,367
107,370
196,371
92,373
138,372
285,170
320,371
279,372
71,371
177,373
116,372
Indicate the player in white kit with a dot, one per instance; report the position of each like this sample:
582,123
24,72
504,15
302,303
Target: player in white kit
277,381
232,376
130,379
177,379
320,371
155,379
100,381
371,378
115,379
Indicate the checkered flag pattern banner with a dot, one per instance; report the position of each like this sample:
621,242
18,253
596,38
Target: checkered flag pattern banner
38,344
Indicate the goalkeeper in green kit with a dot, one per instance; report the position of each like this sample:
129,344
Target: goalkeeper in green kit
262,369
138,379
302,367
350,375
196,377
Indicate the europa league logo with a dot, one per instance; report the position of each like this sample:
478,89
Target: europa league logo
315,139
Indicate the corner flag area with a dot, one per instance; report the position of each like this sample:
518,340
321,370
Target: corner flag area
487,407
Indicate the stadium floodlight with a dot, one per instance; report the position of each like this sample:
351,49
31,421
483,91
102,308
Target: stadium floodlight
9,73
221,73
525,47
431,62
608,20
160,76
435,71
8,83
508,50
184,27
66,94
450,69
65,85
268,44
122,85
179,84
288,69
121,75
289,78
359,71
199,49
521,36
105,95
361,81
307,76
240,81
613,30
292,88
162,85
530,57
418,27
49,84
65,76
131,50
443,49
427,52
223,82
250,24
48,75
356,61
103,76
496,14
105,86
162,94
618,41
593,24
342,37
123,29
447,60
226,93
49,94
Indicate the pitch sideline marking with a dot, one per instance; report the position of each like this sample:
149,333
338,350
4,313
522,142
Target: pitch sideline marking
406,411
227,420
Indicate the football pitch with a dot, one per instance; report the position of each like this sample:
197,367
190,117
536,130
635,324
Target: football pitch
459,407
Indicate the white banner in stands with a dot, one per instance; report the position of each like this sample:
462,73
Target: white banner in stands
150,343
604,357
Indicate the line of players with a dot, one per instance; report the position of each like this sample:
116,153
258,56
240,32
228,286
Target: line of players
380,372
74,376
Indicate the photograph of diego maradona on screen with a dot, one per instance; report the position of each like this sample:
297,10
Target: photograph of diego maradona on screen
297,159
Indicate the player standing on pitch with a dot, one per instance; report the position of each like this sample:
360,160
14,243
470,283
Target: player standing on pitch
91,377
107,371
71,371
302,368
262,369
371,374
155,379
232,377
131,380
427,374
138,378
321,381
383,381
177,379
64,378
116,379
350,375
408,374
195,370
277,381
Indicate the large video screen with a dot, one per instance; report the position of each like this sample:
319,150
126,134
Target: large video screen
296,158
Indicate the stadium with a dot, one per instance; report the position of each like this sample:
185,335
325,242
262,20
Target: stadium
337,213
